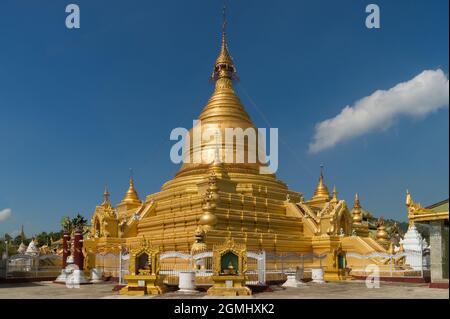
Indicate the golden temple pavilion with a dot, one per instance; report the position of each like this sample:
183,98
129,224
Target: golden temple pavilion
208,201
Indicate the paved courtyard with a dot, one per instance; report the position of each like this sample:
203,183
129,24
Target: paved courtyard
347,290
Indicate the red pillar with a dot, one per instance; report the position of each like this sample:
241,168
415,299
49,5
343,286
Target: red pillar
66,252
78,250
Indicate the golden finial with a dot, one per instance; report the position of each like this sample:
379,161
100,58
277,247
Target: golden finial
106,196
356,211
357,203
224,67
131,195
321,189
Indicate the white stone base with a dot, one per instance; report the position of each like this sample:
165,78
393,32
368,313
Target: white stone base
317,275
76,278
187,282
293,282
62,277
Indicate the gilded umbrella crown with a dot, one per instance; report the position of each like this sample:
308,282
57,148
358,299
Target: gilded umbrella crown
224,66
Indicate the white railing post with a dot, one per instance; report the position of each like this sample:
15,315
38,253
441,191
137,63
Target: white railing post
120,265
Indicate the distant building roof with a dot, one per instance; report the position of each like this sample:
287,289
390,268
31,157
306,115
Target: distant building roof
437,211
440,207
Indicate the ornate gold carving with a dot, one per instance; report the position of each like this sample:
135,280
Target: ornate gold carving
152,253
230,246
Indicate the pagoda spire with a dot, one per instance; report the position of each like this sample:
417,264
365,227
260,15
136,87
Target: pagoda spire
356,212
321,189
22,235
106,201
321,194
224,66
131,195
334,194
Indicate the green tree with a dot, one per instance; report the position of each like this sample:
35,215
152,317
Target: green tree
8,237
79,223
18,239
66,224
42,239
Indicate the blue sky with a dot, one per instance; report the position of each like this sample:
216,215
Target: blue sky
78,108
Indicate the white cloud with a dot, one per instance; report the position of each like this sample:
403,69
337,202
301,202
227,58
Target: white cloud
426,93
5,214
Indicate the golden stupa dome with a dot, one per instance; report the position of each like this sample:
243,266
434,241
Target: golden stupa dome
382,235
321,189
223,110
131,195
321,193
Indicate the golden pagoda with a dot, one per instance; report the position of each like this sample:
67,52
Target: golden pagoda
382,235
210,200
360,228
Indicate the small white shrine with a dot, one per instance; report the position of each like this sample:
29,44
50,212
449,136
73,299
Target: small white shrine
414,244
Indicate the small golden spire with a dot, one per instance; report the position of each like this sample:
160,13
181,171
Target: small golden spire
131,195
106,197
356,211
321,189
382,236
224,66
357,204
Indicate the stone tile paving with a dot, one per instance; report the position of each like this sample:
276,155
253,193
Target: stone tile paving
347,290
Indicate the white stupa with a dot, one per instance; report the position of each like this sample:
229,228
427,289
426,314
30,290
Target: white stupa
414,246
22,248
32,249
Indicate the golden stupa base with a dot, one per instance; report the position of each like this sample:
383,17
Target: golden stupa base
229,286
140,285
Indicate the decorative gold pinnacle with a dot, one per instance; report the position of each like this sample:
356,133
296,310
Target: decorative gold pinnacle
106,201
131,195
356,212
224,66
321,189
